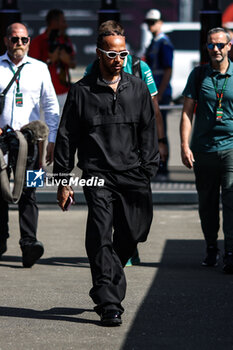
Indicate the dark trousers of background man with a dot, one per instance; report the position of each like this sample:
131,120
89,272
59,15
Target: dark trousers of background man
28,211
124,204
163,165
214,171
28,216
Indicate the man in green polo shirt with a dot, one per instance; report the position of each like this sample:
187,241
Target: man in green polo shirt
211,149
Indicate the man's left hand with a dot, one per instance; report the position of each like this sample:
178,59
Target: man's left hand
63,192
67,59
49,154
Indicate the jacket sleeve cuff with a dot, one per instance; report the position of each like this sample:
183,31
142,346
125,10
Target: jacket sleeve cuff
52,137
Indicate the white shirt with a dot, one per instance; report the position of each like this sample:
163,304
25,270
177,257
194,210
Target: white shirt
36,86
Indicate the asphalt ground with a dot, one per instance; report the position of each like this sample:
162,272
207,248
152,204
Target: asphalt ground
172,302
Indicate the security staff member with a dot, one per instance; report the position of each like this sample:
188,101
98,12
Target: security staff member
210,152
109,118
32,90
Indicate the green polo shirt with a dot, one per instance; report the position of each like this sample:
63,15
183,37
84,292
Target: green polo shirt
210,135
145,69
146,74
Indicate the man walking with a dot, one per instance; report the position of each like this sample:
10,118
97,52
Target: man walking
109,118
211,150
139,68
159,57
22,105
55,48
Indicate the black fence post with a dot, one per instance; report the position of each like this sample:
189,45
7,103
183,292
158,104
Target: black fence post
210,17
108,11
9,13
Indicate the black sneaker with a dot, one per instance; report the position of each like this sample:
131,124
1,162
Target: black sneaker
228,263
110,318
32,251
212,257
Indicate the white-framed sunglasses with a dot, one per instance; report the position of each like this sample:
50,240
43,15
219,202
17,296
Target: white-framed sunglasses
114,54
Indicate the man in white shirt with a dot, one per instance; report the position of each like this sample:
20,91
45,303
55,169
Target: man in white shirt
33,88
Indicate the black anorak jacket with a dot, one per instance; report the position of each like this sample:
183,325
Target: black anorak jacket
112,131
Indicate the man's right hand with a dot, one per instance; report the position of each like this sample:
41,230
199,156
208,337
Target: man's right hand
63,194
163,151
187,157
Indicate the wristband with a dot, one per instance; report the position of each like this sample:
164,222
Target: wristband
163,140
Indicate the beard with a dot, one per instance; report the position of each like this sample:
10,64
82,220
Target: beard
218,58
111,69
18,53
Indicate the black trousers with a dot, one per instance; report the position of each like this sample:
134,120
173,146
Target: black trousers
214,175
119,216
28,216
28,210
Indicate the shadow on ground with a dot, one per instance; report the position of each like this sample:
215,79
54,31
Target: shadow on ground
58,314
188,307
7,260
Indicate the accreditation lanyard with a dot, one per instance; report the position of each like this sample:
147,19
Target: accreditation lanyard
219,110
18,95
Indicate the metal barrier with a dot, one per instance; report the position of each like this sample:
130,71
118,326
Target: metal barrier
170,107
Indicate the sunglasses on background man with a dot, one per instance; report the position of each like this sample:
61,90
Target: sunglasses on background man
220,46
15,39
